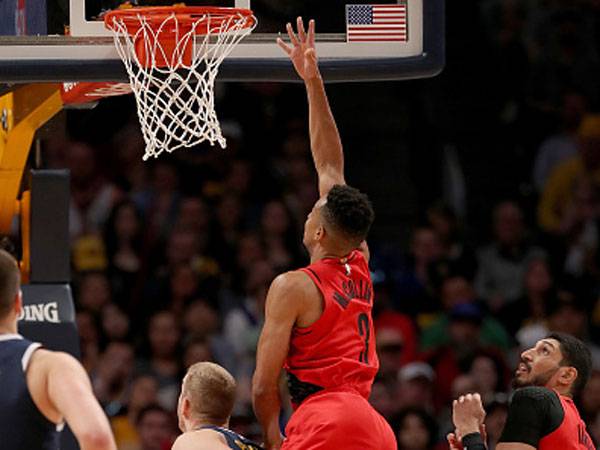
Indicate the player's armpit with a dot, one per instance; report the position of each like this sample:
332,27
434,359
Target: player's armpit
329,177
514,446
70,390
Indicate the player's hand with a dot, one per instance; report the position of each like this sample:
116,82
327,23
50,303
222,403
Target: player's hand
468,414
302,52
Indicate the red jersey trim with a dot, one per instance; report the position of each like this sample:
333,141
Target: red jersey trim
327,304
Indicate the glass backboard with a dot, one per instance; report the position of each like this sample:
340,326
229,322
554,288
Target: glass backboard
352,41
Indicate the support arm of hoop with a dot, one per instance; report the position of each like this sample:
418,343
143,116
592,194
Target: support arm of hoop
86,92
22,112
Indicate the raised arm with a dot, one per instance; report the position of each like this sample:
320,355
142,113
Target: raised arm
283,305
325,142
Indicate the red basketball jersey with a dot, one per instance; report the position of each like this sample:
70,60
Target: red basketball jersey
338,350
571,434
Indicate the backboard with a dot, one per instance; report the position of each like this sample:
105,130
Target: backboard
356,40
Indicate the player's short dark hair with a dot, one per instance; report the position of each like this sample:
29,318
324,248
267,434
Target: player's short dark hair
575,354
10,279
349,212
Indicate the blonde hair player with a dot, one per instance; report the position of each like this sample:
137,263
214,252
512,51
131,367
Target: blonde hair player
205,406
41,389
318,320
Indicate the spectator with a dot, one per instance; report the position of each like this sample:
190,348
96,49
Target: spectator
415,389
280,236
123,238
415,430
142,394
457,253
94,292
113,375
580,229
160,202
202,325
196,351
561,146
557,197
155,428
531,309
590,398
89,339
459,302
414,288
92,195
463,331
495,419
163,360
115,324
402,327
502,264
490,374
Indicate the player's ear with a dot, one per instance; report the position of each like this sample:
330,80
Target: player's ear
186,406
320,233
568,375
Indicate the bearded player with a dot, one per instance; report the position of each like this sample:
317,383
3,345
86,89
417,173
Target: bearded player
542,414
318,319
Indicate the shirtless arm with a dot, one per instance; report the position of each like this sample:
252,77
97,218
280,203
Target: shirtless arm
70,392
284,303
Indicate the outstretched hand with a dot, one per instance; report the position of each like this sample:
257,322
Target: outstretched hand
302,52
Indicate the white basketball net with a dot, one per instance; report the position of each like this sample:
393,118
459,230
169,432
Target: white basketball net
176,102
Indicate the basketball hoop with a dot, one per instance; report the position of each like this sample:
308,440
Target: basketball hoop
172,56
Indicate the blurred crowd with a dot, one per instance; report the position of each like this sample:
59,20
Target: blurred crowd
172,258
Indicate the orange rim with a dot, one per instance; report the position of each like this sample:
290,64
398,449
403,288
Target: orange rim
187,17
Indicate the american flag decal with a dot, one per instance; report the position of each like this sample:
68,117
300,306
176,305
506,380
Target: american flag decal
377,23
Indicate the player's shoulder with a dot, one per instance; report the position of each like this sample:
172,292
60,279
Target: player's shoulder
52,361
292,281
56,358
541,396
200,440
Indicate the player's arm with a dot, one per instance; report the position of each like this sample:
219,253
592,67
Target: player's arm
533,413
284,300
70,392
325,142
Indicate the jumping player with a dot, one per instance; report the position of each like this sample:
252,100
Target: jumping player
205,405
542,414
318,319
41,389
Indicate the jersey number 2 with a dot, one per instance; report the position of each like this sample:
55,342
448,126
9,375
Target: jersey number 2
364,329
